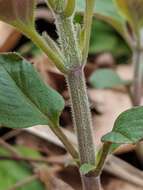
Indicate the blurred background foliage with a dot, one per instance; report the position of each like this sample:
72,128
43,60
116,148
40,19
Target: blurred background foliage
12,171
105,38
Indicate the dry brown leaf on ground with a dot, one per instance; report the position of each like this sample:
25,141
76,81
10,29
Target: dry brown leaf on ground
125,71
44,132
117,184
124,171
52,182
112,103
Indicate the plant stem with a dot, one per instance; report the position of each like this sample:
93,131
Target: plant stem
77,88
62,137
138,84
138,76
103,155
79,101
91,182
68,41
83,125
87,27
38,40
81,116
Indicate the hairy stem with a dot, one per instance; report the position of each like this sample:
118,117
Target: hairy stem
83,125
81,116
91,182
77,88
68,41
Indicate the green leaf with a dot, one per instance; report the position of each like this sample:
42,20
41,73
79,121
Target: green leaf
105,78
86,168
12,172
25,99
128,128
132,11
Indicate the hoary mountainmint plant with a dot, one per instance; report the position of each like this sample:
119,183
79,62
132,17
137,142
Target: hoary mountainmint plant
27,101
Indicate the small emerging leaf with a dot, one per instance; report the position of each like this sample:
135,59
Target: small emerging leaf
86,168
17,12
105,78
25,100
132,10
128,128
